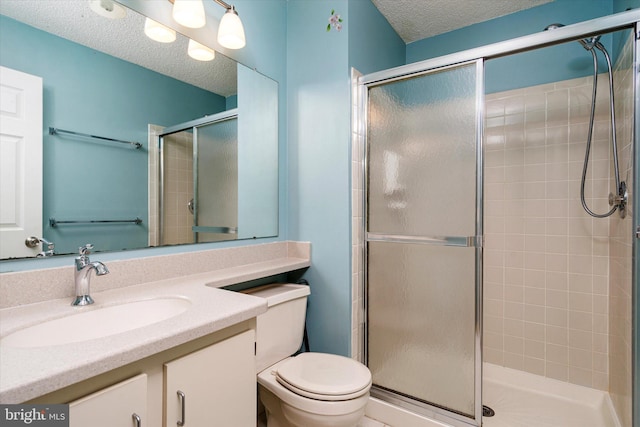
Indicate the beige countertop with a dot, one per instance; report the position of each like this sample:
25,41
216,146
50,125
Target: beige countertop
26,373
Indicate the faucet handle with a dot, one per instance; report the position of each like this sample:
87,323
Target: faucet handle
86,249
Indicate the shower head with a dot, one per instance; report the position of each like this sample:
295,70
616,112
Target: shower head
588,44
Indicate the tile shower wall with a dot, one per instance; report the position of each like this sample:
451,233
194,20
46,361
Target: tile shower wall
178,155
154,187
620,251
546,261
357,224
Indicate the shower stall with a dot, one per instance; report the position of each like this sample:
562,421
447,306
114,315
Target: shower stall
498,230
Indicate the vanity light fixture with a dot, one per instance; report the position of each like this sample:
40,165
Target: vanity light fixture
200,52
189,13
230,31
158,32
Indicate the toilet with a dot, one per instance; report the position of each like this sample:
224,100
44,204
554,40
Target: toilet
310,389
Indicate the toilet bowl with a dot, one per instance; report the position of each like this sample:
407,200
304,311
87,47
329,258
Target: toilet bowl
310,389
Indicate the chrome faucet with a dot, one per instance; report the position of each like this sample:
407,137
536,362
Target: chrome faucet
82,274
33,241
50,248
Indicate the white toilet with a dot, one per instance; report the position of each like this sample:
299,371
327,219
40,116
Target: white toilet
311,389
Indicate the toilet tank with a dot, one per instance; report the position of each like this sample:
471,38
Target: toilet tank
279,331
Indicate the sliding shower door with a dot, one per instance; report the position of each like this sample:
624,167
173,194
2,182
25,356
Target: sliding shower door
423,250
216,181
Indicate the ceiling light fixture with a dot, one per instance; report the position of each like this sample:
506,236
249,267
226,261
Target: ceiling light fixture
158,32
189,13
200,52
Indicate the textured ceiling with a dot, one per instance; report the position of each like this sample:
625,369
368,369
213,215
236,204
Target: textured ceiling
418,19
124,39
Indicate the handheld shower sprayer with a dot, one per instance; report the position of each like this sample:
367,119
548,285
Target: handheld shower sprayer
617,200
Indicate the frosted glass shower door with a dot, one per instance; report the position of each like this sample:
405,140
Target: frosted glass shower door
216,181
423,219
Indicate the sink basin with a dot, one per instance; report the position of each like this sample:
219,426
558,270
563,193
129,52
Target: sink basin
97,323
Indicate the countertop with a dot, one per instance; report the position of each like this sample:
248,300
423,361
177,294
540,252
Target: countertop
27,373
32,297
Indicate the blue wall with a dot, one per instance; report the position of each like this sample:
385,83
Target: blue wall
373,43
318,99
90,92
526,69
318,138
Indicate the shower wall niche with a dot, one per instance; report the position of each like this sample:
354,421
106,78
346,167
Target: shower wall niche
557,282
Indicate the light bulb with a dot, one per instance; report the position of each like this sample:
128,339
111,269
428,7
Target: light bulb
189,13
158,32
231,31
200,52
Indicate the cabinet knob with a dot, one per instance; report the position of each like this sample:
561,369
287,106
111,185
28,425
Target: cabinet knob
183,402
136,420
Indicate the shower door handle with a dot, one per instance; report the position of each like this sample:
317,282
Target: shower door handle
462,241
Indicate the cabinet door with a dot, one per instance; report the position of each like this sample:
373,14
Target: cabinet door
216,386
114,406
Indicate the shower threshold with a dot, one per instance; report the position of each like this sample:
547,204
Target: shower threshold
521,399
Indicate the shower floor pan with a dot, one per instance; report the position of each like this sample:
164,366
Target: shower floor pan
520,399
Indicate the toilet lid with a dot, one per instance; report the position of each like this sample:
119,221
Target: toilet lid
324,376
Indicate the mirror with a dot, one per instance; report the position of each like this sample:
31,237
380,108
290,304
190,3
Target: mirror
125,86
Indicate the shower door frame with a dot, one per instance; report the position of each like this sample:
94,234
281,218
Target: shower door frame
635,291
624,20
475,241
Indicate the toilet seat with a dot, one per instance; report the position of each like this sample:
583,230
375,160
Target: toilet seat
326,377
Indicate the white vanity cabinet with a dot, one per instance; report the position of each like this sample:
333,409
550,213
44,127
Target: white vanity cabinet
216,373
121,405
215,386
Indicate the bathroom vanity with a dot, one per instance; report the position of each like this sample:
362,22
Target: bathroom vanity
198,363
188,383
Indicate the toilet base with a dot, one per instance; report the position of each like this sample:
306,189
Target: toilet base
281,414
299,418
275,417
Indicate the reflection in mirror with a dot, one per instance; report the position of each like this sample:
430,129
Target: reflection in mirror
204,155
104,87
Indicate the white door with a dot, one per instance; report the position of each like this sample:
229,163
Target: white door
20,162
